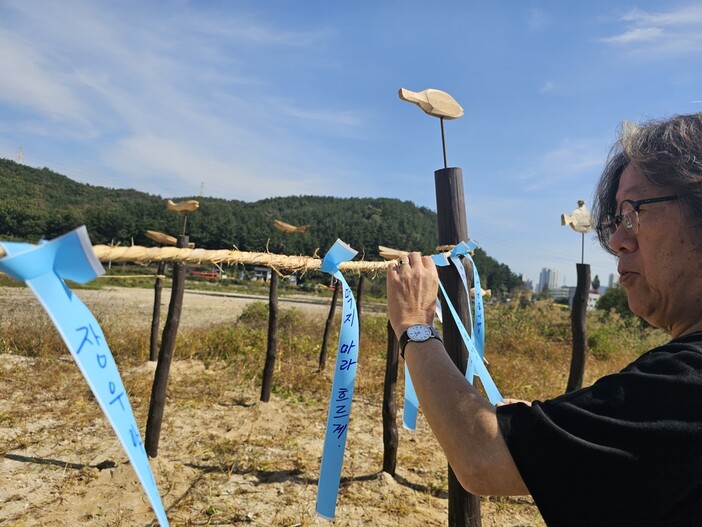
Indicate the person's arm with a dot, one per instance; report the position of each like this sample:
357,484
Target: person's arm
463,421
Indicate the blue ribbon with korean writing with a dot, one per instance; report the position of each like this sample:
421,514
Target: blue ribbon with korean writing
342,387
44,268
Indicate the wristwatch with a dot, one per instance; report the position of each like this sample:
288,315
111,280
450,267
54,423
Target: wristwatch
417,333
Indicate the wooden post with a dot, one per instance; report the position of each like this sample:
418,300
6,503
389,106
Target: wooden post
156,317
464,508
390,436
272,348
165,356
579,328
327,327
359,299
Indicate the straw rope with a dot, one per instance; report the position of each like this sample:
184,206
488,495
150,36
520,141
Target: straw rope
279,262
135,253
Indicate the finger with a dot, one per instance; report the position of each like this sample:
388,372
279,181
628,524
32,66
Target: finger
414,258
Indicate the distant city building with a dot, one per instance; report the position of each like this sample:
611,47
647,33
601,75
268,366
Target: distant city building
528,284
611,281
548,277
592,298
562,292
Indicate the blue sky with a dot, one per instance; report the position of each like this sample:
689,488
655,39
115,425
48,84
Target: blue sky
250,99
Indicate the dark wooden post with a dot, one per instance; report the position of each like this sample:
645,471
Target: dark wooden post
359,299
156,317
272,348
579,328
165,356
464,508
390,437
327,327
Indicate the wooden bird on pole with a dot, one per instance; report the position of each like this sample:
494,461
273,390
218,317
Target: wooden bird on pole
190,205
434,102
286,227
159,237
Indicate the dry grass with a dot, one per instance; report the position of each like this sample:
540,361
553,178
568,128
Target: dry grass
225,458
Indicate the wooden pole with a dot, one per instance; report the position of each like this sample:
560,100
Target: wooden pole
272,348
579,328
464,508
327,328
165,356
359,299
390,436
156,316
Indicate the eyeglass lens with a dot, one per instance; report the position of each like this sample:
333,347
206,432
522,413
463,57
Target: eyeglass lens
629,217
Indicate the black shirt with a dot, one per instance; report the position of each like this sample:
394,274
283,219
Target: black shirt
625,451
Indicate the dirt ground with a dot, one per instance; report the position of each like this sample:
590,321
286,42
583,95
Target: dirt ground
224,458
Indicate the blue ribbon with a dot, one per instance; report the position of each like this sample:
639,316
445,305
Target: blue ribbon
411,408
477,365
477,323
44,269
342,387
474,344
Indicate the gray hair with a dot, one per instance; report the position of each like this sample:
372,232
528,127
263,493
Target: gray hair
668,153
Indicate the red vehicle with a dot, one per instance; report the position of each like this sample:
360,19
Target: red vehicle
204,273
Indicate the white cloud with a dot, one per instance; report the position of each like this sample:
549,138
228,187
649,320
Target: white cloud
30,81
690,15
635,35
340,118
650,35
573,161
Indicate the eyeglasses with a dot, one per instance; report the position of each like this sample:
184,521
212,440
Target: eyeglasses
628,216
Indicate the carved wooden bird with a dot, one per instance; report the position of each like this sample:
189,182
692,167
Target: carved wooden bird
183,206
390,254
286,227
579,220
434,102
159,237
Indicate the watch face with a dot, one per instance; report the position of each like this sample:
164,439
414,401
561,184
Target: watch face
419,333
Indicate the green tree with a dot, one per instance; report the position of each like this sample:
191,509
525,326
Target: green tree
614,299
596,283
37,203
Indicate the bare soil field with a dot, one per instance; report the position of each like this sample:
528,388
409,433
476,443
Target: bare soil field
225,458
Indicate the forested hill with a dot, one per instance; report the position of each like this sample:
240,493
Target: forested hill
39,203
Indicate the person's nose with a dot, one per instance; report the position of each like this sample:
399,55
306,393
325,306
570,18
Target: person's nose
622,240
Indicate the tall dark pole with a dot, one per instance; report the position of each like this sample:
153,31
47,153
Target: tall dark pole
156,315
443,142
165,356
390,436
328,326
272,343
464,508
579,328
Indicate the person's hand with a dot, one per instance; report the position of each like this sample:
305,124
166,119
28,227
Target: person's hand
412,287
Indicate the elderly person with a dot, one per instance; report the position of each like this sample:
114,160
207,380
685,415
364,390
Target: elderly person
628,449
